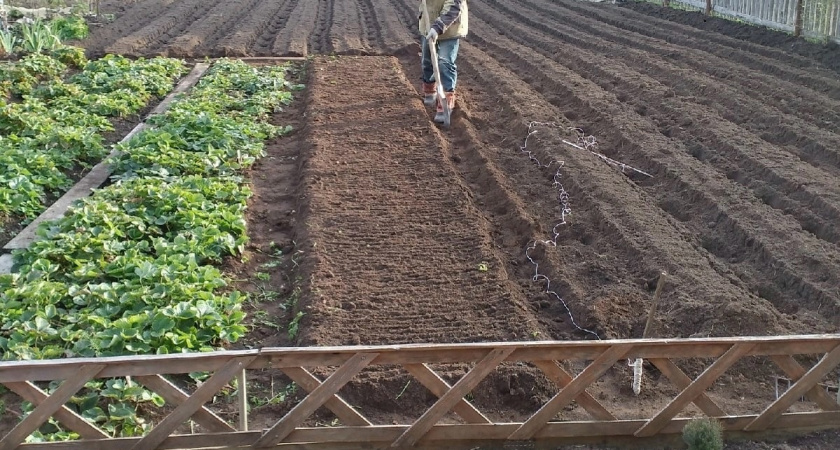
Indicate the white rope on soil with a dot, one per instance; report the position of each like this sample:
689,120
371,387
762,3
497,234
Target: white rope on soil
587,143
565,209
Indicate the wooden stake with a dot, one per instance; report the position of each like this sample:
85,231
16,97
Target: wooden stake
653,305
708,7
242,399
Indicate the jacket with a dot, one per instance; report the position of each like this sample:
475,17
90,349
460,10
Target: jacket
448,17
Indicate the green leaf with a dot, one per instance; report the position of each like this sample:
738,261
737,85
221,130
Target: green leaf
120,411
162,324
42,324
145,270
94,414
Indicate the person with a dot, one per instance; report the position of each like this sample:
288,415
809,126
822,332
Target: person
443,23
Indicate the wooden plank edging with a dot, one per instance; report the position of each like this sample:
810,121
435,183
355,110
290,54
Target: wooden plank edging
382,435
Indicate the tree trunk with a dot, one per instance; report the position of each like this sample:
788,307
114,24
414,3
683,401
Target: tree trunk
797,19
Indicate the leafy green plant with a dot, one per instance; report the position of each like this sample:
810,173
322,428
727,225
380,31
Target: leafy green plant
56,125
703,434
71,56
38,36
70,27
8,41
130,269
294,325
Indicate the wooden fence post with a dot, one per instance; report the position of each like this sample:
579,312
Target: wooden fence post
797,19
708,7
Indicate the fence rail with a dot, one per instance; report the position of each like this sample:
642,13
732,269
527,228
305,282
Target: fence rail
550,358
812,18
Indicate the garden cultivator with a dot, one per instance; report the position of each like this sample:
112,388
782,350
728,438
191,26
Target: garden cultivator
447,112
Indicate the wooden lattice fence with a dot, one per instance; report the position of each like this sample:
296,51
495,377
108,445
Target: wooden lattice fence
355,430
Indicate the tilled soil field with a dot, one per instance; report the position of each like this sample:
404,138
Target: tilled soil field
414,234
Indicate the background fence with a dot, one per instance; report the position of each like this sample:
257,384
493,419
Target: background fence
815,19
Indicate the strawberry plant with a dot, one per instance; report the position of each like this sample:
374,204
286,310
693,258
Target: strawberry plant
71,56
62,121
132,269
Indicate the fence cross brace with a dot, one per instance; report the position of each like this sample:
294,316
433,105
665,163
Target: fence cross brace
324,392
49,406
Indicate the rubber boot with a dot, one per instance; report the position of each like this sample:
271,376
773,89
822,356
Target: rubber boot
429,94
450,98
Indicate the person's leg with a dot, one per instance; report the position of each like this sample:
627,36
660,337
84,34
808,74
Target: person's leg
447,56
428,75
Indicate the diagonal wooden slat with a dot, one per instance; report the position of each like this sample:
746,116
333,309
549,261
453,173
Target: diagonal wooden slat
794,371
189,407
336,404
811,378
438,386
692,391
445,403
315,399
562,378
174,395
65,415
572,390
49,406
682,381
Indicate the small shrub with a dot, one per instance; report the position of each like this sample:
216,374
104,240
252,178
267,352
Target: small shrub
703,434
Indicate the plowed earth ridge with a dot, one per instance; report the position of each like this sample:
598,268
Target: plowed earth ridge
384,217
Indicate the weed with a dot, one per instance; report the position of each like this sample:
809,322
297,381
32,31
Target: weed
276,399
703,434
294,325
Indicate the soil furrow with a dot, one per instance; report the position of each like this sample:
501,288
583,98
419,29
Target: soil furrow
732,204
394,225
142,40
346,33
397,37
136,17
219,20
787,97
719,31
371,29
674,117
319,38
286,35
824,81
628,245
520,201
407,17
627,233
261,24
